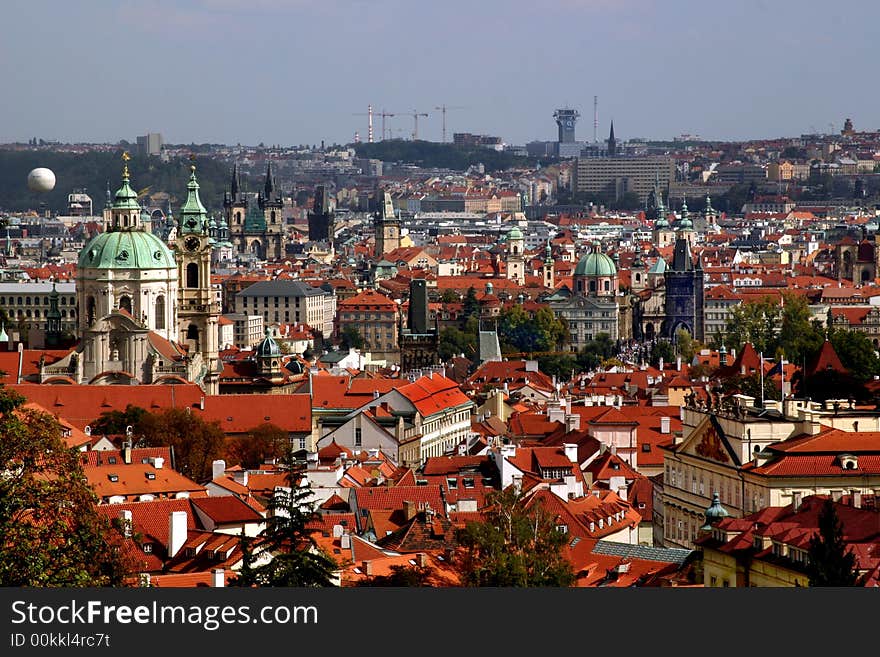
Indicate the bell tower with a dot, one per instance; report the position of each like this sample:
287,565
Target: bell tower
198,311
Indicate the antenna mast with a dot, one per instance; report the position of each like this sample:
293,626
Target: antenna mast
595,119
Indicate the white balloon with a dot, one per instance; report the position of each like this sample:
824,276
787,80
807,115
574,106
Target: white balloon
41,180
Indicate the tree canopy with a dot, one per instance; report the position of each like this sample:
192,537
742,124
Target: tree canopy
286,553
517,545
830,562
263,442
195,443
51,533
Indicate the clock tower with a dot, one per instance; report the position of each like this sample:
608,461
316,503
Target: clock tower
198,310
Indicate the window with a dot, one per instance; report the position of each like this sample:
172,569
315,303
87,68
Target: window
713,581
562,529
148,548
160,312
646,447
357,437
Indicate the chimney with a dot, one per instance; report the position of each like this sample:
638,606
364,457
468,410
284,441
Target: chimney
678,363
661,363
664,424
345,541
126,452
572,422
157,462
218,467
857,499
202,403
176,532
367,567
409,509
125,517
241,477
422,559
218,578
571,452
338,530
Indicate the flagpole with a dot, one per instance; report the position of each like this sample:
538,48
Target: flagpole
762,379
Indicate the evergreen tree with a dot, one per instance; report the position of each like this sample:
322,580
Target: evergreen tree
294,556
830,562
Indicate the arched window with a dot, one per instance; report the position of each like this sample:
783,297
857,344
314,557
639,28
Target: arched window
592,286
125,303
192,332
160,312
192,275
515,250
27,301
272,217
607,285
238,217
90,309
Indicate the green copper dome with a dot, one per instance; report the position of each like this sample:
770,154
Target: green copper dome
268,348
126,249
515,234
595,264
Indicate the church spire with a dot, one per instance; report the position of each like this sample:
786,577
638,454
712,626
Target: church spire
236,182
193,214
270,187
612,142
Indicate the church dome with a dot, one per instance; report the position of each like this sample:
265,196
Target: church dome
515,234
126,249
595,264
268,348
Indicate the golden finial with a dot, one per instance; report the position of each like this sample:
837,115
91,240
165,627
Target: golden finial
192,158
125,157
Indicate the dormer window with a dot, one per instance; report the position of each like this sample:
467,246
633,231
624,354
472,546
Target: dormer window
848,461
151,475
113,477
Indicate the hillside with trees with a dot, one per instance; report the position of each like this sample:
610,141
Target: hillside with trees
92,171
445,156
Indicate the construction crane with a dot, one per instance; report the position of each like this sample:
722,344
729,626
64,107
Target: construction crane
416,114
443,109
371,114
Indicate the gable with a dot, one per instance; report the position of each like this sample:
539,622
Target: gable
708,441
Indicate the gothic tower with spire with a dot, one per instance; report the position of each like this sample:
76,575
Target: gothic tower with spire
612,143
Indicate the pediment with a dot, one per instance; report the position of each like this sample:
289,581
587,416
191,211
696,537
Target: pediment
708,441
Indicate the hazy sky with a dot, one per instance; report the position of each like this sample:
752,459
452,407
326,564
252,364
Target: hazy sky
297,71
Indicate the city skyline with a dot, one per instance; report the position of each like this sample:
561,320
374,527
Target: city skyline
229,71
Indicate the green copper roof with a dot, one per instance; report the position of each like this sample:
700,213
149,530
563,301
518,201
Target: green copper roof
254,220
125,197
515,234
658,267
268,348
193,214
126,249
595,264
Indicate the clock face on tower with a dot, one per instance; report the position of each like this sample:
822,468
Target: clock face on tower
192,243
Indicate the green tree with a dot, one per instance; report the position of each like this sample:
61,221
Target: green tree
351,338
664,350
470,305
114,422
799,335
454,341
263,442
51,532
830,562
450,296
856,352
195,443
754,322
517,545
294,556
686,344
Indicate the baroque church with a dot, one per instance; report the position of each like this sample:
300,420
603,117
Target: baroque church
147,313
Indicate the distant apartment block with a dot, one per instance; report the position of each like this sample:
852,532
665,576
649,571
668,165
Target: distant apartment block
247,330
289,302
150,144
619,175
